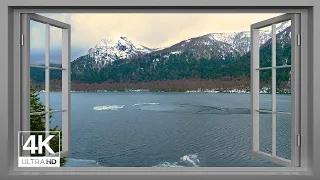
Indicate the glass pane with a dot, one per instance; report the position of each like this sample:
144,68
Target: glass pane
37,87
283,44
56,126
265,97
55,88
265,132
37,78
55,46
283,89
56,121
37,43
265,46
283,136
37,122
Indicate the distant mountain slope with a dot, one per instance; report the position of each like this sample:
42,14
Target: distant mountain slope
219,45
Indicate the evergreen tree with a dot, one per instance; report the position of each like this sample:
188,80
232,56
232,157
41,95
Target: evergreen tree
37,122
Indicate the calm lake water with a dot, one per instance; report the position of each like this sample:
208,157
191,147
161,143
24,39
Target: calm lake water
144,129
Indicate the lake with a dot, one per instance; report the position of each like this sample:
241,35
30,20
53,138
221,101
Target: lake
146,129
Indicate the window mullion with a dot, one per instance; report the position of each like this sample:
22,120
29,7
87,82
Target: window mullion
66,80
283,66
44,112
255,84
47,81
274,132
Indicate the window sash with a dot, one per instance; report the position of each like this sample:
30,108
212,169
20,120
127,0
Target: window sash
295,89
66,77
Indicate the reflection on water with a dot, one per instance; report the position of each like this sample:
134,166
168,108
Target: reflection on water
189,108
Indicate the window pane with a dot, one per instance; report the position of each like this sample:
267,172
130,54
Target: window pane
37,122
265,41
55,46
283,89
55,88
283,43
283,136
265,89
37,87
55,127
265,132
37,43
56,121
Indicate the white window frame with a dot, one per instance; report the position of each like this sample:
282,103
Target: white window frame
295,89
304,169
66,77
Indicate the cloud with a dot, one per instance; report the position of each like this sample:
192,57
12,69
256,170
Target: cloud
158,29
149,29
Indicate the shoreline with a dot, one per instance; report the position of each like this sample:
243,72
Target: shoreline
233,91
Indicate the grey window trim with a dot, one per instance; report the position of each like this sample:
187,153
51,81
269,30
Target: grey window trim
306,164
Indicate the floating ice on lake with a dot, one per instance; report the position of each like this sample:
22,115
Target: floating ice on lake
189,160
152,103
108,107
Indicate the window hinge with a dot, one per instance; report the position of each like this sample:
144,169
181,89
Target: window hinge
298,40
22,39
298,140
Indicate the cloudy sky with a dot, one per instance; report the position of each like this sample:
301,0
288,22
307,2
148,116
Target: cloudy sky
149,29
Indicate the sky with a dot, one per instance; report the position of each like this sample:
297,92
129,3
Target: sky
152,30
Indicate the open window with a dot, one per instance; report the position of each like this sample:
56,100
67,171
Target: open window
275,129
43,63
266,73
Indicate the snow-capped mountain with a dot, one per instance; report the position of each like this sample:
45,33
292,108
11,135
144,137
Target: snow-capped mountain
115,48
218,45
240,41
120,60
199,47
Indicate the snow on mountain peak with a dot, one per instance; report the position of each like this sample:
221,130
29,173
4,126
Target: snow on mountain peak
119,47
241,40
282,26
113,48
223,37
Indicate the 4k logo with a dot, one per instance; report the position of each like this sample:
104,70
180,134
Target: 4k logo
32,141
36,150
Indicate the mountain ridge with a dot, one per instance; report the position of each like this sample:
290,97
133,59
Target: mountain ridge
219,56
212,45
